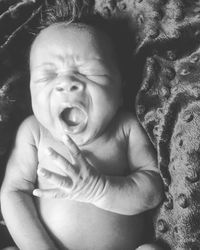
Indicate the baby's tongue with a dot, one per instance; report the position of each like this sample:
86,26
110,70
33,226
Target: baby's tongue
73,116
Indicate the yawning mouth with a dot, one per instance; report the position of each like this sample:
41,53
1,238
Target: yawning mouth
73,119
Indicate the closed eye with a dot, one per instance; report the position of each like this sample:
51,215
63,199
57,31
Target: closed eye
99,79
95,75
94,69
46,77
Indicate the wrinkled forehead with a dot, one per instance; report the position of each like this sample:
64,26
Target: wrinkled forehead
89,38
70,29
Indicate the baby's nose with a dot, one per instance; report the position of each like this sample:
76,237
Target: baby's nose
69,84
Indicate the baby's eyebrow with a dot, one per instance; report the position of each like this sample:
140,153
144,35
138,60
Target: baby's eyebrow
45,65
80,63
95,61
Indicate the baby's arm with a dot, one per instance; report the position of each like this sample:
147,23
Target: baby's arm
17,202
142,189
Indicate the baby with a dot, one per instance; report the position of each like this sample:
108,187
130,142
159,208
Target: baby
82,170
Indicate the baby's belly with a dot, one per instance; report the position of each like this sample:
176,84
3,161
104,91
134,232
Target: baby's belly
81,226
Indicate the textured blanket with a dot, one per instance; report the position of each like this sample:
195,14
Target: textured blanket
161,43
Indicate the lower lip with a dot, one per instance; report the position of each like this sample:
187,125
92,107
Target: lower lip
74,129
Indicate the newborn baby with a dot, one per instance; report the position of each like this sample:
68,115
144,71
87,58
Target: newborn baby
82,170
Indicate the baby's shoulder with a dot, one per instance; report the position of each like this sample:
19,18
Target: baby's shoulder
127,121
30,123
29,128
134,131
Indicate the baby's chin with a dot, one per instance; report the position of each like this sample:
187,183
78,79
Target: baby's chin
88,135
82,139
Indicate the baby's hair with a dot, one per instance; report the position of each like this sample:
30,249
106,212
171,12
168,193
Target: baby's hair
65,11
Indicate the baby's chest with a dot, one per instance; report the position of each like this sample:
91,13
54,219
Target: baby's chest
110,158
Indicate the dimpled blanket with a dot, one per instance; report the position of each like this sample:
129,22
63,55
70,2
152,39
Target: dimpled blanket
164,58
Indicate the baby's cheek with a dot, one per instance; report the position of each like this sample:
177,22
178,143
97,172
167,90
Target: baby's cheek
42,111
39,102
36,104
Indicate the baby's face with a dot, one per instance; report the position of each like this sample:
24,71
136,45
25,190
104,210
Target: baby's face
75,82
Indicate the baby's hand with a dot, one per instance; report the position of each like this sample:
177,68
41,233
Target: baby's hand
79,180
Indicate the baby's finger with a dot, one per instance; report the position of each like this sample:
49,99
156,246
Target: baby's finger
62,162
63,182
49,193
74,150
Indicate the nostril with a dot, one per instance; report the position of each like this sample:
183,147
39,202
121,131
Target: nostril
59,88
68,86
74,87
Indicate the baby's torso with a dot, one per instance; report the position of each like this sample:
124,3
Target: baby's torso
82,226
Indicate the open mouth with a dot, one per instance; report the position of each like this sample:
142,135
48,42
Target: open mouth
73,119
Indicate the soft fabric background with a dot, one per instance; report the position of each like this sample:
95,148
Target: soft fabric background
160,44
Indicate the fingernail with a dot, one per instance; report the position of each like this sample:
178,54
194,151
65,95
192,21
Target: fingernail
36,192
